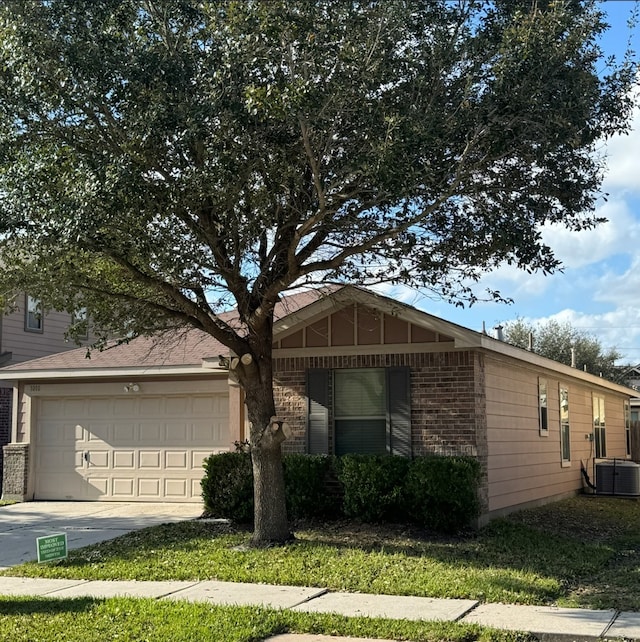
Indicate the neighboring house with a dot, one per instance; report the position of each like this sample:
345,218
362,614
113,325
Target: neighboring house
354,372
25,333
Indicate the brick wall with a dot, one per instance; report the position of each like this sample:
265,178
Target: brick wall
16,471
6,396
448,411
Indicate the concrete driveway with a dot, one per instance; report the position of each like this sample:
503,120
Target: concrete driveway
85,523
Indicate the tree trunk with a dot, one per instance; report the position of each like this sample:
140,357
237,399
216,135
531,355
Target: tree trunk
271,525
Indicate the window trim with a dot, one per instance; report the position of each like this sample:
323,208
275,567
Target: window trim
599,429
627,426
565,425
80,316
543,407
32,309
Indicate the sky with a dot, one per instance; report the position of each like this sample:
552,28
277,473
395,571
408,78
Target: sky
599,290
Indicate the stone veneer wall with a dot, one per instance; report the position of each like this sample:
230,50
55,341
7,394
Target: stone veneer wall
448,409
16,472
6,398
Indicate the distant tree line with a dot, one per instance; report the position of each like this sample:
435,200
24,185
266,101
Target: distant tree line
556,340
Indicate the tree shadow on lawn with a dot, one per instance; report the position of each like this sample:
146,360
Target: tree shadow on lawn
523,558
27,605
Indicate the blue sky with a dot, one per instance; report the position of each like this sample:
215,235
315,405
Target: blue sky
599,290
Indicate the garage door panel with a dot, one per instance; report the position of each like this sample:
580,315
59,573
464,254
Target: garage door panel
123,488
150,459
176,488
98,486
176,459
149,488
98,459
125,433
142,448
150,432
124,459
177,433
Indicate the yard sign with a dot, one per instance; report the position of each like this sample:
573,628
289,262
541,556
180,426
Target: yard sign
52,547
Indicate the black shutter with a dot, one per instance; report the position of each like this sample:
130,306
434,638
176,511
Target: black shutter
399,411
318,411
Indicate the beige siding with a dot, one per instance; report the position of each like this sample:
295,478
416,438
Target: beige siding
26,345
525,466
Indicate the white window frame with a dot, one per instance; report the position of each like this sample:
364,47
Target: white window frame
599,427
33,316
543,406
80,316
627,426
565,425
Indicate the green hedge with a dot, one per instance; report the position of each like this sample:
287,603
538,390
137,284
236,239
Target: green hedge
374,487
439,493
227,486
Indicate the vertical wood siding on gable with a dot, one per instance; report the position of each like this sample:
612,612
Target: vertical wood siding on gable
358,325
524,466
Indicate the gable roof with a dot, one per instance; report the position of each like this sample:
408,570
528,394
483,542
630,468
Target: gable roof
184,351
192,351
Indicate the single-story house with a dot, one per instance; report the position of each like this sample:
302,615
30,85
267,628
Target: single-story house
354,372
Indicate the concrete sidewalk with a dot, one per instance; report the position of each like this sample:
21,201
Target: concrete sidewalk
548,623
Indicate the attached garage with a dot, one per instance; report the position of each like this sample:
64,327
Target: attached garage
132,423
131,446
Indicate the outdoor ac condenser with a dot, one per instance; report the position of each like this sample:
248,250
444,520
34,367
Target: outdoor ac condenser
617,477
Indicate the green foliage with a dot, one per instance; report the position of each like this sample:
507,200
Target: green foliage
442,492
152,153
555,339
374,486
162,162
308,490
439,493
227,486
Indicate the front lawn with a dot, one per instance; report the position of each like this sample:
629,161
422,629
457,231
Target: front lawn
132,620
580,552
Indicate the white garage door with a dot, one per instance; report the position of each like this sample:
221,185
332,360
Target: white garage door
142,448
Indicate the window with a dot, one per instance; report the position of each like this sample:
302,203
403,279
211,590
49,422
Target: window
627,426
363,410
565,431
79,318
33,321
542,407
360,414
599,433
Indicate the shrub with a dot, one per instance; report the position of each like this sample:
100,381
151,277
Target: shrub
227,486
373,486
307,480
442,492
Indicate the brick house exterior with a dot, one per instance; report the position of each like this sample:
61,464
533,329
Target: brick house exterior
439,389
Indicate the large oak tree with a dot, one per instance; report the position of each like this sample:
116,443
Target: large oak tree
164,160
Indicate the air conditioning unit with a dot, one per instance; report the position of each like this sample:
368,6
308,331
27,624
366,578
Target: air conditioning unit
618,477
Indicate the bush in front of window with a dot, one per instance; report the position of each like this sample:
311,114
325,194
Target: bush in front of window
227,486
310,493
435,492
441,492
374,487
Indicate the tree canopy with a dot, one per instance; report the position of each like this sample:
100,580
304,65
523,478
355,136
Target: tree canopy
562,342
164,160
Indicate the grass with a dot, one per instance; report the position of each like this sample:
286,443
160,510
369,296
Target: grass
583,552
129,620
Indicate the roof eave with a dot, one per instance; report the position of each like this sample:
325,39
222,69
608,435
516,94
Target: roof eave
101,373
